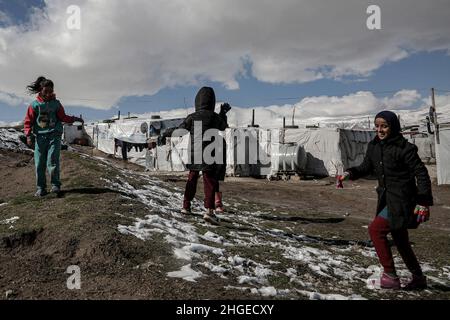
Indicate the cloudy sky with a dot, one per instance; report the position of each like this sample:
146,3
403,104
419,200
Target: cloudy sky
148,55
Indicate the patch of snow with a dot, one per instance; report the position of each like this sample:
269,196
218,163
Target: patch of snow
10,220
185,273
210,236
321,296
9,140
268,291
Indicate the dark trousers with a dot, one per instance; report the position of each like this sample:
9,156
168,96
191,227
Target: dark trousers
378,230
210,184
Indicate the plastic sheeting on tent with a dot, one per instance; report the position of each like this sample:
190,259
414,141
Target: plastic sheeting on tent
71,133
103,135
443,154
248,151
425,145
330,151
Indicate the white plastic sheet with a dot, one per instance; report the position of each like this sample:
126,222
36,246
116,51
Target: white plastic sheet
443,155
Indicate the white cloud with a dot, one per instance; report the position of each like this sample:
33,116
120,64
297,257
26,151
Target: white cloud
138,47
357,108
11,99
403,99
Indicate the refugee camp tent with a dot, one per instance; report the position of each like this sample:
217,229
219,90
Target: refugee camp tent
132,134
76,134
443,153
330,151
425,145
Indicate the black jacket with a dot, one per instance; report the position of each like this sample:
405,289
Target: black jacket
205,103
403,180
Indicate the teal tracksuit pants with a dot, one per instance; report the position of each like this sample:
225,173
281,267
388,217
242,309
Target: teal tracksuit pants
46,156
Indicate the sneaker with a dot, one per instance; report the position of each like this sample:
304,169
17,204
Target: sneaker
210,217
416,283
389,282
186,211
40,192
55,189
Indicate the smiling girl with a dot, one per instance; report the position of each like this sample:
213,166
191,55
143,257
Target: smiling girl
404,197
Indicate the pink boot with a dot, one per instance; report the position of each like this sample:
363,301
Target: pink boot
218,202
416,283
389,282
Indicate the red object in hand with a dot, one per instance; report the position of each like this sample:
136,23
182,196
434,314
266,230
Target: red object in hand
339,184
422,212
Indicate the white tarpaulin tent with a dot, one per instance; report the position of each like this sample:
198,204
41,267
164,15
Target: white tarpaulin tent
425,145
443,154
73,133
330,151
103,136
133,132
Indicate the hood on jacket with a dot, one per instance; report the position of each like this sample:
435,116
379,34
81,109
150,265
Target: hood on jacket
392,120
205,99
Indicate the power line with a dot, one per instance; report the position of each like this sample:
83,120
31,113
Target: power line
442,90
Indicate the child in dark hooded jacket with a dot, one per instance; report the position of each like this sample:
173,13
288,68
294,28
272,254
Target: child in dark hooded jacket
206,119
404,197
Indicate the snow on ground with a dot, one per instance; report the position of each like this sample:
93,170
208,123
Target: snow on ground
9,140
10,220
234,252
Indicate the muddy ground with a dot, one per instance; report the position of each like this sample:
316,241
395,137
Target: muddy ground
80,227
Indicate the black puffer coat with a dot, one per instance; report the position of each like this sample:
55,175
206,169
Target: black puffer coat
403,180
205,103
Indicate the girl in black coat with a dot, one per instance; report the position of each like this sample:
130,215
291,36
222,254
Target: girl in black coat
404,197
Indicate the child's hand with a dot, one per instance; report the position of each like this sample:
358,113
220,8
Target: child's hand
29,141
79,120
224,108
343,177
422,212
340,179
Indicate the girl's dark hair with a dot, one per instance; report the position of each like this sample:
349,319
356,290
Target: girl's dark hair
39,84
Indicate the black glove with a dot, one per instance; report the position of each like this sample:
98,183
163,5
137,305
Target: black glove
76,119
224,108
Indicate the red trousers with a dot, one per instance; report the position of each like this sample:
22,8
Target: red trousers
210,185
378,230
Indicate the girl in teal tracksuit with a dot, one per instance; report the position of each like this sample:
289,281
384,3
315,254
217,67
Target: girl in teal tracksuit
44,119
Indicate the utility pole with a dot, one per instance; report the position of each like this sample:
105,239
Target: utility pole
293,115
368,123
436,124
